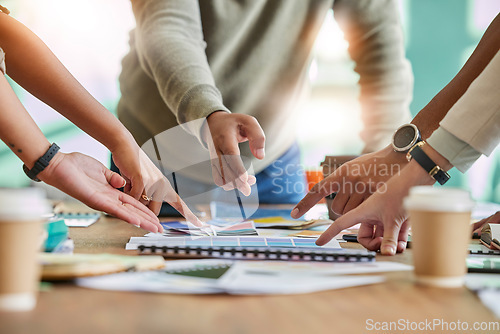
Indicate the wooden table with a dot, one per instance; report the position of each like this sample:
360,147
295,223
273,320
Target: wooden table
70,309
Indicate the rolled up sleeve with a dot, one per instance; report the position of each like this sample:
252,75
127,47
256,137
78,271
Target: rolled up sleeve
472,126
2,61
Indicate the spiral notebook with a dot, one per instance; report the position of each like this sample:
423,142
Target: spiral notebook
261,253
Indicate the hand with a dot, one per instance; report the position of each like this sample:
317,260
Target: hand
126,156
493,219
354,181
89,181
382,217
144,178
225,131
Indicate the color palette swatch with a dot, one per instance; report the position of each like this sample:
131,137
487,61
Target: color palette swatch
223,241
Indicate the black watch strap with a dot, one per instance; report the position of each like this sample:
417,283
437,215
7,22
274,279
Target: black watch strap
436,172
41,163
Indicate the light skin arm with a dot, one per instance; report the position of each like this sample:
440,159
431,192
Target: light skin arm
427,120
225,132
171,50
39,71
373,30
78,175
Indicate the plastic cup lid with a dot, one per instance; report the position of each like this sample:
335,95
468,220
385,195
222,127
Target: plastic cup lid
23,203
428,198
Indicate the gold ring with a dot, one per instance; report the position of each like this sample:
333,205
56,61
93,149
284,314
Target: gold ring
146,198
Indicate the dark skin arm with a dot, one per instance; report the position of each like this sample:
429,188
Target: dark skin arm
427,121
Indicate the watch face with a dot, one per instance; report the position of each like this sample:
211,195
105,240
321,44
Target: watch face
405,137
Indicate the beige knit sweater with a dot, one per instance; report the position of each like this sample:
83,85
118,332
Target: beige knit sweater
190,58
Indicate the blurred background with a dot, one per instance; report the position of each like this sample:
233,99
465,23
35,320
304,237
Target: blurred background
91,37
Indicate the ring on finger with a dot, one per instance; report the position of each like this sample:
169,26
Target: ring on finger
146,198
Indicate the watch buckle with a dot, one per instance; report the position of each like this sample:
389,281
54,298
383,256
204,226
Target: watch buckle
434,171
408,154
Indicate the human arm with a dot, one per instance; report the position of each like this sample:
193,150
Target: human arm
383,220
427,120
39,71
171,49
78,175
374,33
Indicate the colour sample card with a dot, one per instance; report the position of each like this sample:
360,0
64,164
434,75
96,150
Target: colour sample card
217,241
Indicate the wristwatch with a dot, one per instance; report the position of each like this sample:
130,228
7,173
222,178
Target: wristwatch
41,163
436,172
405,137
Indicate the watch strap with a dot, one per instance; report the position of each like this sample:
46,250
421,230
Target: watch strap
436,172
41,163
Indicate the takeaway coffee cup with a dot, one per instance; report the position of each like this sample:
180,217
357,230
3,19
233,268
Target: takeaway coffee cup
21,212
441,231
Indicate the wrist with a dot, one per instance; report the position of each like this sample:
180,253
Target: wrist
437,157
430,161
205,131
120,140
52,166
397,157
416,175
31,157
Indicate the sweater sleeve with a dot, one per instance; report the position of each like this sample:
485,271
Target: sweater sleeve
374,33
171,50
472,126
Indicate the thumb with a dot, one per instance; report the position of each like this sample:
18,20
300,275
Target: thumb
256,137
390,241
115,179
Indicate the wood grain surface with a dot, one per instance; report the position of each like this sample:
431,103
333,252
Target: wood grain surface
66,308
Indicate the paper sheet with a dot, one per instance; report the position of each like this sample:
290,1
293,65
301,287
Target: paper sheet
487,287
177,228
245,277
241,279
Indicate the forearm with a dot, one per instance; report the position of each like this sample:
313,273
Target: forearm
38,70
427,120
375,38
17,128
171,49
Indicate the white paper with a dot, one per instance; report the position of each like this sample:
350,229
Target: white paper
487,287
265,277
244,277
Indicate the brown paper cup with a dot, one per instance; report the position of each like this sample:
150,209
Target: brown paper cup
440,223
21,213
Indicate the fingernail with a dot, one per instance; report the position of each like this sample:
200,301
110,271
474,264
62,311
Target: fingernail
295,213
387,250
402,245
124,183
260,153
246,190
